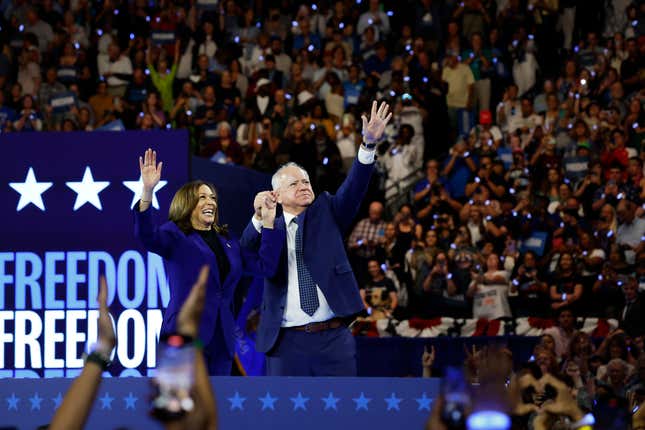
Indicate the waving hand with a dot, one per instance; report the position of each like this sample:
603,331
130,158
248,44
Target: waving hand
374,128
150,175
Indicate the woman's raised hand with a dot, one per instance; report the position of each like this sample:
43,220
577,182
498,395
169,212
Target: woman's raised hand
150,170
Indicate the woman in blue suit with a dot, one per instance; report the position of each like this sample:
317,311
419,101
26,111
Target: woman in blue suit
191,238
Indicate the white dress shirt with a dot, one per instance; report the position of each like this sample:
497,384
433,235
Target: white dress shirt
293,314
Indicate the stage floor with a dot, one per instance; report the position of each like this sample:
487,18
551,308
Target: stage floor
243,403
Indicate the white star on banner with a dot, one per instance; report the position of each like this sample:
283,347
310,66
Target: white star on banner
137,186
87,191
30,191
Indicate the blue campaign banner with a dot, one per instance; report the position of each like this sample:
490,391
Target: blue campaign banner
66,202
506,156
116,125
242,403
576,168
536,243
62,102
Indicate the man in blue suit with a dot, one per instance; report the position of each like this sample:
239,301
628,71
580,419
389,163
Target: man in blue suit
307,304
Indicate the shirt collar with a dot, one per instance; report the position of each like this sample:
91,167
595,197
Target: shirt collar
288,217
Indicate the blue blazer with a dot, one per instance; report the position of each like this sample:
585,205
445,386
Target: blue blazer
185,254
325,223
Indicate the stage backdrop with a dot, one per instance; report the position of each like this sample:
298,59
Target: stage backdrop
66,201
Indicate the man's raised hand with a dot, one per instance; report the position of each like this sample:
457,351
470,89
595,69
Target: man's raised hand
259,202
374,128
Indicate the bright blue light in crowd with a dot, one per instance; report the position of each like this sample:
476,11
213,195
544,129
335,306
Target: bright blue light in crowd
131,36
310,48
236,39
425,79
488,420
325,161
314,6
21,28
116,11
390,13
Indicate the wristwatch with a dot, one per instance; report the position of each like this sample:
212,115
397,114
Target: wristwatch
100,358
371,146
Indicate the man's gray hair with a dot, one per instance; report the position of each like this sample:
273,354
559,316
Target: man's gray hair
276,179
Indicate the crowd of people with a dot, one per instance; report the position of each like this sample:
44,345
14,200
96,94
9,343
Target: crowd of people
516,145
523,119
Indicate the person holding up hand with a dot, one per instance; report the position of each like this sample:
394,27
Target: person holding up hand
314,295
192,238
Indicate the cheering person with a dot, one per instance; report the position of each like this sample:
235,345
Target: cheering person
192,238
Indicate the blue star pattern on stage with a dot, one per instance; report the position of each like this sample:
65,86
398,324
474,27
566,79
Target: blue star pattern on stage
268,402
331,401
237,402
57,400
130,401
12,402
35,400
424,402
299,402
106,401
361,402
393,402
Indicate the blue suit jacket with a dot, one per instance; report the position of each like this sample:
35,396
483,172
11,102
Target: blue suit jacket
324,225
185,254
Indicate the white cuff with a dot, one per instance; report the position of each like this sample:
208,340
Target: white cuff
257,224
365,156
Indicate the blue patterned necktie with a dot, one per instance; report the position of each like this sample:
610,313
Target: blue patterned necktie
308,293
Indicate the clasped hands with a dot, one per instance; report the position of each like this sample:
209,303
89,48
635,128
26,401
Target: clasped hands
265,204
